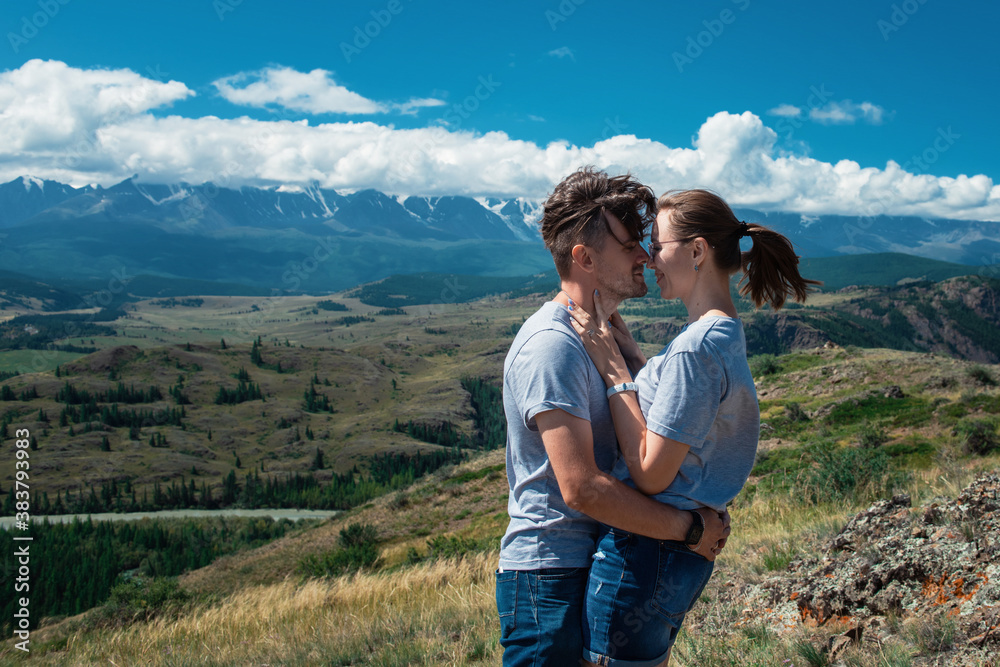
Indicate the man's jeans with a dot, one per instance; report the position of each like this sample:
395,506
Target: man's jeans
541,616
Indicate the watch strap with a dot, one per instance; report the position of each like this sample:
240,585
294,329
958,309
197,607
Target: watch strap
624,386
696,530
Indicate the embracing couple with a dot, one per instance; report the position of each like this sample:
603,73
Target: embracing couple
620,468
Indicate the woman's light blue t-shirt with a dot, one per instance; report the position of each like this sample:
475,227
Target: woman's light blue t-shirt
699,391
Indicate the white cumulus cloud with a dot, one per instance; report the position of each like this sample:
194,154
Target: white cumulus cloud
563,52
95,126
786,111
413,106
847,112
313,92
47,105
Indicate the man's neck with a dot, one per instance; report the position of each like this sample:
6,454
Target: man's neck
583,297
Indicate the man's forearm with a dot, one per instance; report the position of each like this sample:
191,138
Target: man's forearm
611,502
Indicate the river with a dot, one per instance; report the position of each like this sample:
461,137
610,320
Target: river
7,522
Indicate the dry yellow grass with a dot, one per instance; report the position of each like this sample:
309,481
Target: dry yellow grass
440,613
443,613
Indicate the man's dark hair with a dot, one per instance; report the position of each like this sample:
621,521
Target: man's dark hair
574,212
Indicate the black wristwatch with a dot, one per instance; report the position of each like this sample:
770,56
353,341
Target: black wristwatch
696,530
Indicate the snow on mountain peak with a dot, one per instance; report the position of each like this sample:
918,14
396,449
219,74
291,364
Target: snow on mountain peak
31,180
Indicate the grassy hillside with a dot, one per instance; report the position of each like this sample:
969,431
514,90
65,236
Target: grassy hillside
378,367
842,427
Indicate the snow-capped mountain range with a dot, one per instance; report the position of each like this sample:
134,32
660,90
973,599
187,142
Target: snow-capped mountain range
207,207
259,237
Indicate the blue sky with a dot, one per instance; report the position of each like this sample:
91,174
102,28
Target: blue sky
812,107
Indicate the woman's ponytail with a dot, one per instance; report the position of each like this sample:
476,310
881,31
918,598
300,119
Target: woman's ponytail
771,270
771,267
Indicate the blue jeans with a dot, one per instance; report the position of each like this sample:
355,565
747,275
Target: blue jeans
638,594
541,616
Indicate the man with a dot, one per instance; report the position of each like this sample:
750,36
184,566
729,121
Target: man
561,441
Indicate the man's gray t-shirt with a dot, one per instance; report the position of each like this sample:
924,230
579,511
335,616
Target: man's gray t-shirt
548,368
699,391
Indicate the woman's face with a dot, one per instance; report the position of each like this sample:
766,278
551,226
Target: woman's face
670,259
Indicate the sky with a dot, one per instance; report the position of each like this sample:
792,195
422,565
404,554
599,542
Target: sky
856,107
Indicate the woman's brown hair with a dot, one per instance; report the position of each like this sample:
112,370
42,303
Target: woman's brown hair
770,267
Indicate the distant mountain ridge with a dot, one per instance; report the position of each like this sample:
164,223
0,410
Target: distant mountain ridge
294,239
282,240
205,208
958,241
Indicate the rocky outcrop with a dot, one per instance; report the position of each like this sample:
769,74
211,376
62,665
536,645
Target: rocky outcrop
892,560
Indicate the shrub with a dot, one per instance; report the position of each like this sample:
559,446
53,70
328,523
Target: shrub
812,656
778,557
764,364
932,635
982,375
978,436
846,473
795,413
871,436
138,599
357,551
452,546
357,535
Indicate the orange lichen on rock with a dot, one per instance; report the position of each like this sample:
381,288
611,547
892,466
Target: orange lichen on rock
890,560
942,592
815,617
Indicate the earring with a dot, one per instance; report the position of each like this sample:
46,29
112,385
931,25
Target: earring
695,267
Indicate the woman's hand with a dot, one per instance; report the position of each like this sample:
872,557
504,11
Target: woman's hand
629,348
599,339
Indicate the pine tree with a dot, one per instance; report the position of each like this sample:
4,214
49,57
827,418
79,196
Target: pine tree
105,444
318,460
255,356
223,345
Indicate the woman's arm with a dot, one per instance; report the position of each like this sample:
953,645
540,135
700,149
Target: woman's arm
653,460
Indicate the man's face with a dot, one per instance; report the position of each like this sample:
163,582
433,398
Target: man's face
620,264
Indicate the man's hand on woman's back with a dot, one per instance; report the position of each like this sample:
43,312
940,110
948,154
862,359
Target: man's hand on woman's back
716,534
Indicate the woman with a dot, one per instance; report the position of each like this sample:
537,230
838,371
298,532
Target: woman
688,426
